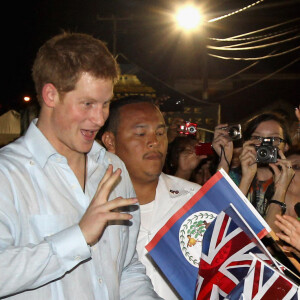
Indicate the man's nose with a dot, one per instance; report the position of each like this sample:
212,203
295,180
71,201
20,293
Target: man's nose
153,140
98,116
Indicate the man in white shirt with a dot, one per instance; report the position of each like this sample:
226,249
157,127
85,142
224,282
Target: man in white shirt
64,233
136,132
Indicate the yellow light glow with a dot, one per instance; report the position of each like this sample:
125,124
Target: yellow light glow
189,17
26,99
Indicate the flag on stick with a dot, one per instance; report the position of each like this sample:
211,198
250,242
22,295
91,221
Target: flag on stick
263,282
176,248
225,258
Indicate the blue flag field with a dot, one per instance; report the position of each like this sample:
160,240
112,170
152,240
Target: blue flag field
176,248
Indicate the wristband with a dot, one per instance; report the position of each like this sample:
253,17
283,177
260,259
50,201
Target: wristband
281,204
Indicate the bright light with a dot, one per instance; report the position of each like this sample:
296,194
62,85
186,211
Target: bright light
26,99
189,17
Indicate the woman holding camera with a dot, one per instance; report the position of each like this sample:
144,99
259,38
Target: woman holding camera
265,171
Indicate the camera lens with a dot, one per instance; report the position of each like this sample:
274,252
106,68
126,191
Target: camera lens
232,132
263,153
266,153
192,129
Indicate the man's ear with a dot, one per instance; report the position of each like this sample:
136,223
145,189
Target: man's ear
49,93
108,139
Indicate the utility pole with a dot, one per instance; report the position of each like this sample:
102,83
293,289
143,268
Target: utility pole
114,21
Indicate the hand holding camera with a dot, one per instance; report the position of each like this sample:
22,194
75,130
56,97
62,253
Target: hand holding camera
266,152
223,145
283,173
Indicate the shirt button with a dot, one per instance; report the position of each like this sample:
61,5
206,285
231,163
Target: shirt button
77,257
100,280
31,162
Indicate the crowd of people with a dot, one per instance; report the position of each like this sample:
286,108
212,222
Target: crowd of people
91,182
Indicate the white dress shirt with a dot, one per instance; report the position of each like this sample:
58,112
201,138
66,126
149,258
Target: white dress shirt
171,194
43,253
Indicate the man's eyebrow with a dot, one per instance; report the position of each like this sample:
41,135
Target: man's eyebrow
161,126
140,125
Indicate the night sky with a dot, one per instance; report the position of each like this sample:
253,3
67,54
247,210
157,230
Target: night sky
146,36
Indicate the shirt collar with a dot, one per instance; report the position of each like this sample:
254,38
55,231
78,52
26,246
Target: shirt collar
42,149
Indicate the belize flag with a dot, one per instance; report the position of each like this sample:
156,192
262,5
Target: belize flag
176,248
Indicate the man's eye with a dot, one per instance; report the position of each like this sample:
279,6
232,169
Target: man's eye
296,167
87,103
161,132
140,133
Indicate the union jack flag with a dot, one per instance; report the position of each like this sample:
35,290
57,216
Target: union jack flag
263,283
226,258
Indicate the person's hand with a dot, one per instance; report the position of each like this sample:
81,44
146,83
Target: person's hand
248,165
100,210
174,129
221,139
188,160
248,160
282,175
223,146
297,113
290,228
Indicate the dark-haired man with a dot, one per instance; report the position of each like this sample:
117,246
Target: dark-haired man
61,233
137,133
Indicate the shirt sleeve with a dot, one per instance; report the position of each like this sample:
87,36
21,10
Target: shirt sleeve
32,265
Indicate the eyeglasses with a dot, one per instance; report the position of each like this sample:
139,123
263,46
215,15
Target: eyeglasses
276,141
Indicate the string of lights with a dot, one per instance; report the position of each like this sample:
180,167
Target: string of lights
240,71
253,47
285,31
269,37
235,12
255,58
262,29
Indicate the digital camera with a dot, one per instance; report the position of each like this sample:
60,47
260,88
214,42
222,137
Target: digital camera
188,128
266,152
235,131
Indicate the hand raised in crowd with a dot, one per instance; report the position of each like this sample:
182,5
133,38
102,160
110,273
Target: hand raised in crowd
223,146
290,228
173,129
187,162
100,210
248,165
283,174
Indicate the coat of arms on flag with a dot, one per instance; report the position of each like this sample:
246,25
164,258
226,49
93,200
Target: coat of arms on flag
191,233
176,248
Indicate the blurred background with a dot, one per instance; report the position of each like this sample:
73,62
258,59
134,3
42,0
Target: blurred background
241,58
